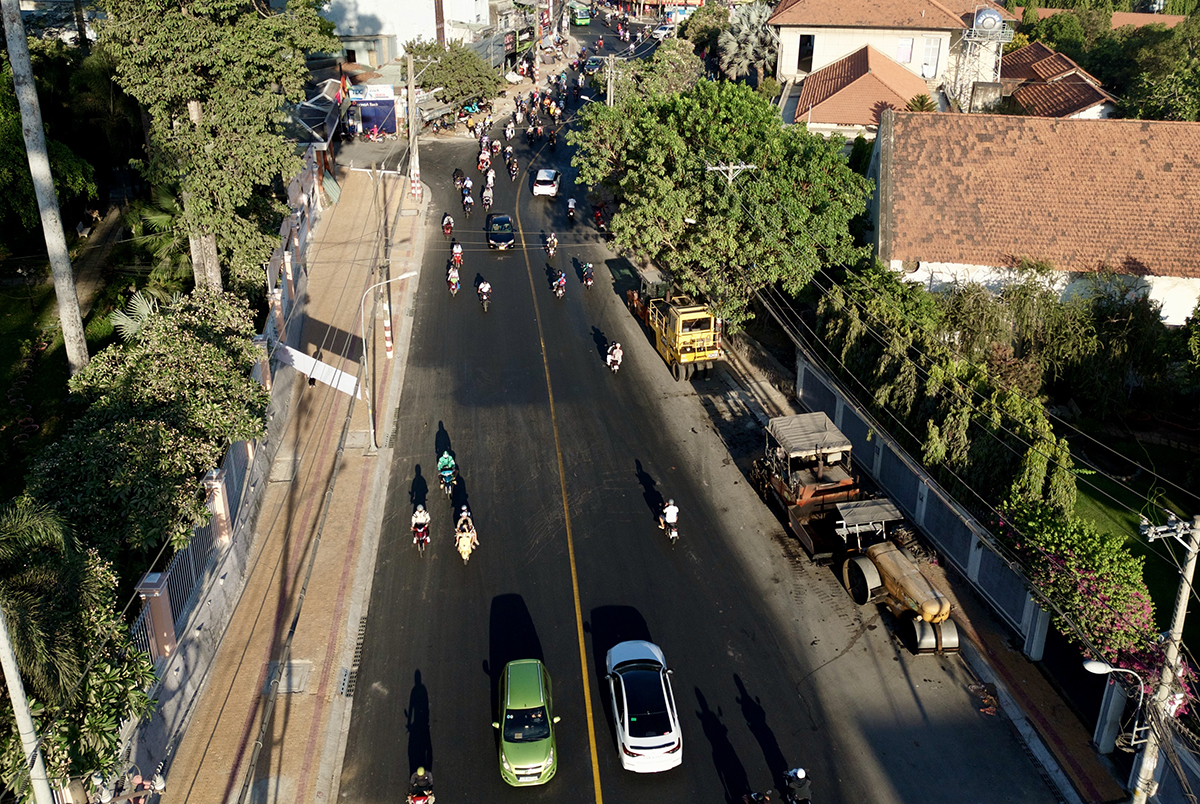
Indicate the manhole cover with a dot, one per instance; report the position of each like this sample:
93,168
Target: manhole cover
294,678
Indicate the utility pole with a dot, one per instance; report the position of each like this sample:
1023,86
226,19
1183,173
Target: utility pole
1146,786
414,161
34,765
611,72
43,185
730,172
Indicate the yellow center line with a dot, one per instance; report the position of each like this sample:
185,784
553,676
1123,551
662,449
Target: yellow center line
562,484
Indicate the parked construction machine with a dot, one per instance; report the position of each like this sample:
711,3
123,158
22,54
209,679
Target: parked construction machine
686,333
808,472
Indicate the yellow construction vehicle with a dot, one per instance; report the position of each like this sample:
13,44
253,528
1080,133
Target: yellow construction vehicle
686,333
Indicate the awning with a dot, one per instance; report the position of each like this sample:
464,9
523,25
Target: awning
807,435
433,112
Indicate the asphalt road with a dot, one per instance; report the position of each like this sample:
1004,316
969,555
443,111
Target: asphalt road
563,465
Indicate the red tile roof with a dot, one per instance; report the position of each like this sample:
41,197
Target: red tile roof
990,189
856,89
1019,64
1119,18
927,15
1053,66
1060,98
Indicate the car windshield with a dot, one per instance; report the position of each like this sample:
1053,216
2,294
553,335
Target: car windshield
502,226
645,702
526,725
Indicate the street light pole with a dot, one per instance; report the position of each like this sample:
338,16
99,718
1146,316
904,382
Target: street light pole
1146,786
362,321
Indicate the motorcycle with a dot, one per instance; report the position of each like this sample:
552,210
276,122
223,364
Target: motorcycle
599,218
485,298
456,259
421,797
571,215
447,229
454,285
614,363
447,477
553,140
421,537
588,278
487,203
550,249
560,290
465,542
459,178
512,171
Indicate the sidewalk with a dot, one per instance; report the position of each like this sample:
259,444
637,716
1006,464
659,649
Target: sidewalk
301,753
1055,736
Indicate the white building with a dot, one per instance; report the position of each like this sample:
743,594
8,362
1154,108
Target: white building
373,32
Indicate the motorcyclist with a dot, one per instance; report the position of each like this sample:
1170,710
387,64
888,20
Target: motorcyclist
421,782
551,243
485,289
798,786
669,515
447,224
491,176
588,277
508,154
615,355
560,282
452,275
571,208
467,525
468,202
467,185
446,463
509,130
553,137
487,196
420,518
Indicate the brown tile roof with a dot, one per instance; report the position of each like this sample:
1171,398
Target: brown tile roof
1019,64
989,189
1119,18
1052,66
856,89
1060,98
928,15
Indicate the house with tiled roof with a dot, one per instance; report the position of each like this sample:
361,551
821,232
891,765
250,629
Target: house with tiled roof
965,198
848,96
1048,84
935,40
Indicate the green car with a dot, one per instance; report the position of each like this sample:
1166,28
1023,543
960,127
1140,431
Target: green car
526,724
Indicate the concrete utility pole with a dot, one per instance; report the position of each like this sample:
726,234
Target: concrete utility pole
1146,786
43,185
611,72
414,161
730,172
16,692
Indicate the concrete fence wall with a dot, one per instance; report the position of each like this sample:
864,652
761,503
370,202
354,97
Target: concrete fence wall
188,605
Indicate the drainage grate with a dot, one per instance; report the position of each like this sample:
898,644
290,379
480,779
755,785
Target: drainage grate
352,675
395,433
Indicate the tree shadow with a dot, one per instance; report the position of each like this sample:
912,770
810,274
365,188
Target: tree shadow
729,768
511,636
756,720
420,741
418,492
650,493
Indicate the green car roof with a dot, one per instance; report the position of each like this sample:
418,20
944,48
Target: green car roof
525,687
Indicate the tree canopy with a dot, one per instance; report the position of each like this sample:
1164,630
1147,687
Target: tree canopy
215,76
776,224
749,46
162,410
704,25
459,71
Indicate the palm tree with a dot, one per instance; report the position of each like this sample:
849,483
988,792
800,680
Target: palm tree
922,103
157,228
749,46
47,587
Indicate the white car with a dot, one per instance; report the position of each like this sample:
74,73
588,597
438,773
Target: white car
649,739
546,183
663,31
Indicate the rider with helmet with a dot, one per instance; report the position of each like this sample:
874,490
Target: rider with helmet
669,515
615,354
420,518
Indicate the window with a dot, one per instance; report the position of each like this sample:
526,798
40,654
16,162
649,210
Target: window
929,66
904,52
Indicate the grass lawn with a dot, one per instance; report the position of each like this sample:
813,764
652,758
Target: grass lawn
1144,493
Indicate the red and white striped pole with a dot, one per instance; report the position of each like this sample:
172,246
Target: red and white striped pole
387,328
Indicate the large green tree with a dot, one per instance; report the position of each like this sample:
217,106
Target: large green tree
778,223
215,76
459,71
162,410
73,649
704,26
